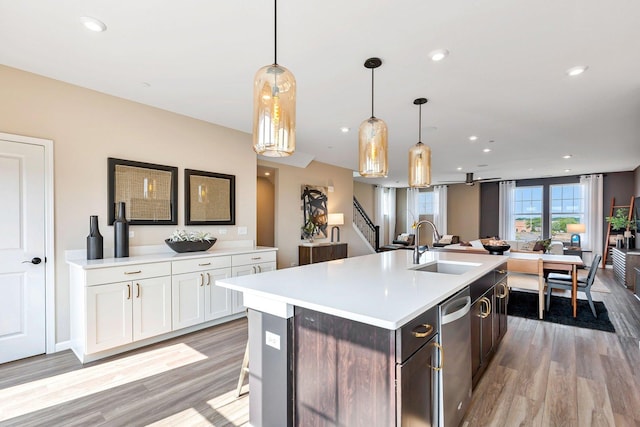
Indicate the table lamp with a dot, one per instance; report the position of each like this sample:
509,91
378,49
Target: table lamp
576,229
335,219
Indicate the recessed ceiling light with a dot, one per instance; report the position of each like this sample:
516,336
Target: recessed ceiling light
486,150
567,156
459,168
567,170
267,173
344,129
473,138
438,55
93,24
576,71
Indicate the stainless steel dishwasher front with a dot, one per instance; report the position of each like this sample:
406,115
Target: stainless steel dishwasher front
455,338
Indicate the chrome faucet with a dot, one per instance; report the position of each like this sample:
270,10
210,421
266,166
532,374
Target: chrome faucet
416,250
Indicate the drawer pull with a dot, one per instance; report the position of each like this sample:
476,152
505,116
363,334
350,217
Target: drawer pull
138,287
128,291
203,264
502,271
133,272
208,279
421,334
255,258
201,279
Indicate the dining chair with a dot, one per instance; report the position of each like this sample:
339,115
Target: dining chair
528,267
563,281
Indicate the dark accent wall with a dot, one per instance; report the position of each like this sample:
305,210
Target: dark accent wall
620,185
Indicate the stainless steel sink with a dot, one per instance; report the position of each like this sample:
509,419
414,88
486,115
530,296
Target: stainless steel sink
447,267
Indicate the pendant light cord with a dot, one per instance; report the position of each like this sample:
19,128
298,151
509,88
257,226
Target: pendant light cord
275,32
420,123
372,116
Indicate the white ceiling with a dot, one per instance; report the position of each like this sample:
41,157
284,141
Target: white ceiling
504,80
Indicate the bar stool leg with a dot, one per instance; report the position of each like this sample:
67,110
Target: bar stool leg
243,370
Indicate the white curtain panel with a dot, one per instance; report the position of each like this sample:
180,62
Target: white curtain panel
412,208
593,213
379,215
506,226
391,206
440,208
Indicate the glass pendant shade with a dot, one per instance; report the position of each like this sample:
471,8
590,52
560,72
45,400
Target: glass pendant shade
419,166
372,148
274,112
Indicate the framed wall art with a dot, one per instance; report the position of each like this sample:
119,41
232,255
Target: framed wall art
210,198
149,191
314,212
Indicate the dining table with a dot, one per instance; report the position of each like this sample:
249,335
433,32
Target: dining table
551,262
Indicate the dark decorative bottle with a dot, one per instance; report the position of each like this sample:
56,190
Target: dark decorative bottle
94,239
121,233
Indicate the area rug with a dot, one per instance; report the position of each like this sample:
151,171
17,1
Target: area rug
525,304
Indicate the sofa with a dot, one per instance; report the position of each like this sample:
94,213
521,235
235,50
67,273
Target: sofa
403,241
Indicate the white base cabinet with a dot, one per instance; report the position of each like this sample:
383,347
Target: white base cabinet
117,307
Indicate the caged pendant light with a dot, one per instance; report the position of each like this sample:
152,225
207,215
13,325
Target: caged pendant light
274,106
419,156
372,138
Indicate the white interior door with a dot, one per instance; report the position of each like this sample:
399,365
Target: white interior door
22,250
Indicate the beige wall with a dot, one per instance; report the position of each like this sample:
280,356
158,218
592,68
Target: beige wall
289,180
265,212
365,193
87,127
463,211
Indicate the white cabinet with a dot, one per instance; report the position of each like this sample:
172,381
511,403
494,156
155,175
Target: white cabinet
121,304
246,264
196,298
122,312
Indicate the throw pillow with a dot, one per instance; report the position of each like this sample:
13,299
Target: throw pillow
528,246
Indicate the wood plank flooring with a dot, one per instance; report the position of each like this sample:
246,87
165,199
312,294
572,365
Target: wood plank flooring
543,375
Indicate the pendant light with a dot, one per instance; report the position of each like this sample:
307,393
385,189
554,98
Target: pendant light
372,138
419,156
274,106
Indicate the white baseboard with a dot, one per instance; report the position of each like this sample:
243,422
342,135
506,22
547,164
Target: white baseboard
62,346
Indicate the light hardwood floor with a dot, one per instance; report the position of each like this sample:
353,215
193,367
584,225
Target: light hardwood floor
543,375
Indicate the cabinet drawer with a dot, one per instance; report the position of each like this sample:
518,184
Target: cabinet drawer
416,333
253,258
200,264
127,272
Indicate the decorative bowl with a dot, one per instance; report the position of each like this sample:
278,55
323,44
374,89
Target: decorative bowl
497,250
189,246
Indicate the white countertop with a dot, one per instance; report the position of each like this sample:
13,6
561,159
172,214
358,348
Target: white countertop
165,256
380,289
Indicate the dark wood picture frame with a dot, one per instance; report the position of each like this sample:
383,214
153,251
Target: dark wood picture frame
150,192
209,198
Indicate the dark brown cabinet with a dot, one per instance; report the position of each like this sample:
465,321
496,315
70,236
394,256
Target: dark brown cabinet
320,252
624,263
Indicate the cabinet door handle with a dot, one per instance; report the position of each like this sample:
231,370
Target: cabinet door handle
133,272
253,268
201,279
505,292
488,301
208,279
501,271
128,291
485,314
204,264
441,351
259,268
138,290
428,329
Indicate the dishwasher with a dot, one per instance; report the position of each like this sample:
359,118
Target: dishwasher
455,375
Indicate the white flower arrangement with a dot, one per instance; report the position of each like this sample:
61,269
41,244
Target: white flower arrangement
190,236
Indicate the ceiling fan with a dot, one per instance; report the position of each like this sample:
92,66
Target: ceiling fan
470,181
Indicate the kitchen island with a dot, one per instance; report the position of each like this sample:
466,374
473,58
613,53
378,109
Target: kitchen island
325,338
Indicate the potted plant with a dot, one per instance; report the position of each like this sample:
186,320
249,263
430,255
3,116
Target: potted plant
309,230
190,241
621,222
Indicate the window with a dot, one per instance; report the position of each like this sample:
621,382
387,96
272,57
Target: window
527,213
566,202
425,203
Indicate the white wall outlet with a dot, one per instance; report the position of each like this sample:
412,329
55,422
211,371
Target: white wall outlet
222,231
272,340
131,234
330,189
242,231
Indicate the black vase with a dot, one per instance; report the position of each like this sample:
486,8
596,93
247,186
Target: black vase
121,233
94,239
